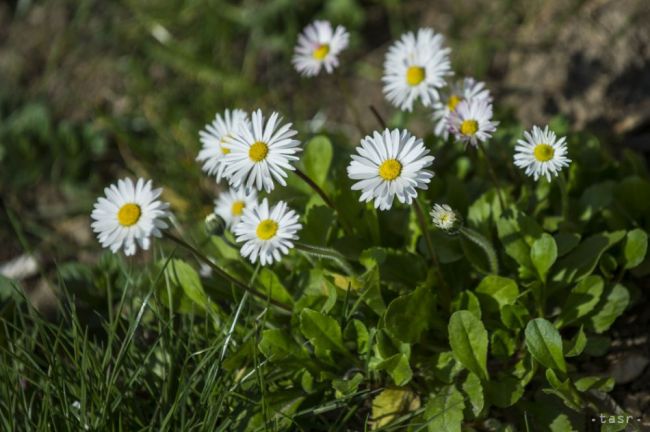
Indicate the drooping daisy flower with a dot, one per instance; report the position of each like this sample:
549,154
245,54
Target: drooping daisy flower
389,165
318,47
471,121
267,234
261,153
231,204
457,92
541,153
129,214
416,67
215,138
444,217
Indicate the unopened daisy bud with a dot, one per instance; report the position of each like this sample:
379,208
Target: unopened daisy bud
318,47
444,217
541,153
415,68
390,165
471,122
267,233
214,225
457,92
129,215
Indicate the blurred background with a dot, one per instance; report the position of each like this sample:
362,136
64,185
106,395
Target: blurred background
95,90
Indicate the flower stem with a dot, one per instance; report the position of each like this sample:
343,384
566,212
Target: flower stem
378,116
445,292
327,253
224,274
564,193
493,176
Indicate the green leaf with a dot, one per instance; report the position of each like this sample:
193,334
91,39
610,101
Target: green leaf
473,391
346,387
397,367
515,232
467,300
603,384
479,251
408,316
446,367
444,411
323,332
188,279
566,242
614,304
545,344
564,390
505,392
582,299
635,248
582,261
358,331
277,345
576,345
390,404
494,292
514,316
273,287
502,344
371,293
469,342
543,254
317,158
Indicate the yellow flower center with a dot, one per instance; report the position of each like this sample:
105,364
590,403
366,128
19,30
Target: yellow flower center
444,218
469,127
390,169
414,75
129,214
238,208
321,52
544,152
453,101
258,151
267,229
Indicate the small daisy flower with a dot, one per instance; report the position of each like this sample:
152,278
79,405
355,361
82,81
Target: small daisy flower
128,215
261,153
231,204
457,92
389,165
215,138
416,67
471,121
318,47
541,153
444,217
267,233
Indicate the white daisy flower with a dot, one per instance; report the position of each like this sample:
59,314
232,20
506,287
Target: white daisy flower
389,165
444,217
318,47
129,214
215,138
541,153
471,121
267,234
261,153
231,204
459,91
416,67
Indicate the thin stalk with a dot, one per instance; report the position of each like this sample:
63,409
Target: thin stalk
493,176
378,116
564,193
445,293
224,274
327,253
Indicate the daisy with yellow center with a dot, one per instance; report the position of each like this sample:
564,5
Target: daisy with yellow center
128,215
215,140
267,232
318,48
388,165
444,217
415,68
230,205
471,121
261,153
541,153
466,89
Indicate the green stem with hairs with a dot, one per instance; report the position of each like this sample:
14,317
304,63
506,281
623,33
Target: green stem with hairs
493,176
327,253
479,240
564,193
